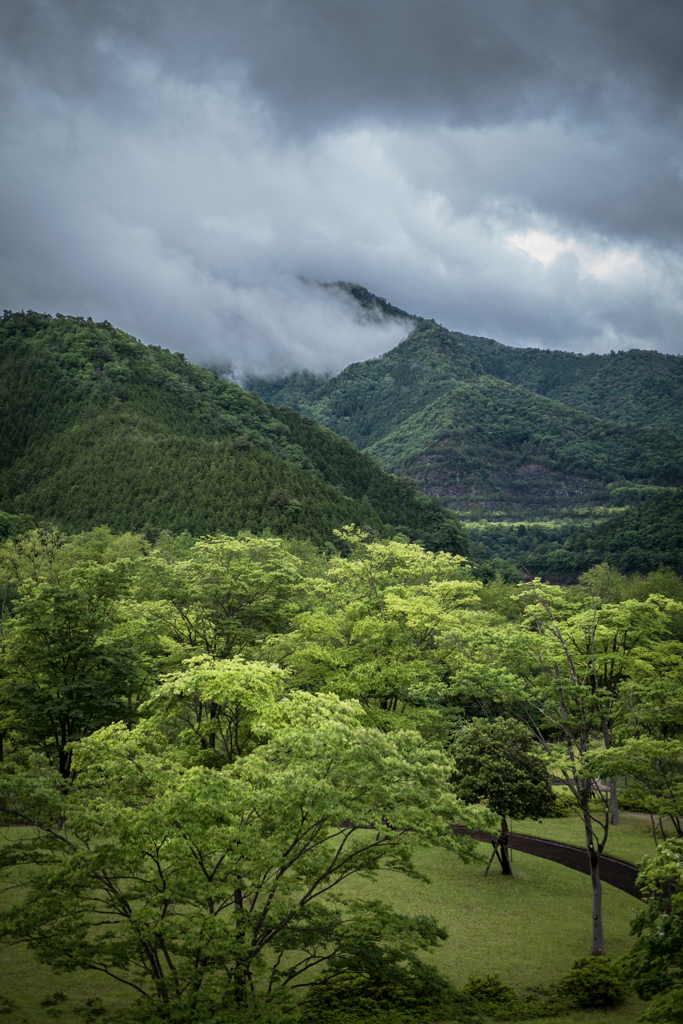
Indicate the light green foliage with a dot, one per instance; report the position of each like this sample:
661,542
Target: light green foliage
655,963
584,658
654,768
212,706
220,595
378,632
215,891
266,705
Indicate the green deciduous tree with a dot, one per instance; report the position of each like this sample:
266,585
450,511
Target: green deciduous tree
213,892
568,674
655,962
375,632
655,772
71,659
219,595
209,709
501,763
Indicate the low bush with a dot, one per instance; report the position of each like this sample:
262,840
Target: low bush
499,1001
429,997
667,1009
493,997
594,981
633,799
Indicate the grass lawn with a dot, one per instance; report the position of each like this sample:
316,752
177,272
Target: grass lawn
529,929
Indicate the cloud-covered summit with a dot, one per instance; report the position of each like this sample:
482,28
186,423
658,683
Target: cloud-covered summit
511,168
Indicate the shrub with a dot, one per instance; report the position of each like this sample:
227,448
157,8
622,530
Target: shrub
424,996
494,998
497,1000
489,990
633,799
594,981
667,1009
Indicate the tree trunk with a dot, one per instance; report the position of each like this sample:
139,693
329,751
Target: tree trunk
594,860
613,802
598,936
503,849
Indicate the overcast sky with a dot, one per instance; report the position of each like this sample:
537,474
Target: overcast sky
511,168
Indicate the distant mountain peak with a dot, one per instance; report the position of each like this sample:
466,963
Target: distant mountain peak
373,307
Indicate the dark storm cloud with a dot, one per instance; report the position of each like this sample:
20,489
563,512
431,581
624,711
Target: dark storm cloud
321,59
512,168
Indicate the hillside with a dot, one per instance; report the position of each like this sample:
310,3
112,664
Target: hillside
636,386
639,539
367,401
98,428
485,446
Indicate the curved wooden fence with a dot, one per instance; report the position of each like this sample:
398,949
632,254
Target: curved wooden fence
619,873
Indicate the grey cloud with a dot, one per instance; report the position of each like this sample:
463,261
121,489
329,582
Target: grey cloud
511,168
315,61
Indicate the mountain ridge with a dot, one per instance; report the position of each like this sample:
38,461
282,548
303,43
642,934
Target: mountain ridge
632,386
501,448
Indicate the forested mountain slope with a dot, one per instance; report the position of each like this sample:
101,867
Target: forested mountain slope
428,409
366,401
99,428
636,386
641,538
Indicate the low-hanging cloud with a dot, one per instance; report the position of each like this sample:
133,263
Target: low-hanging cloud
196,205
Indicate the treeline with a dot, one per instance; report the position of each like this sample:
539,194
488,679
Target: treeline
100,428
639,540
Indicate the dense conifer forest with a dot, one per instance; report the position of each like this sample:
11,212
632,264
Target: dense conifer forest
100,429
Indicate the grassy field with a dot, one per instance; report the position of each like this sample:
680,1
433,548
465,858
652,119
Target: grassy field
529,929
